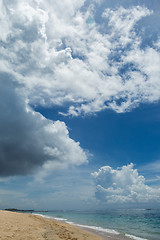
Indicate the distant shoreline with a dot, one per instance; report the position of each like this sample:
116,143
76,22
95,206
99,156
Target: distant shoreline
18,210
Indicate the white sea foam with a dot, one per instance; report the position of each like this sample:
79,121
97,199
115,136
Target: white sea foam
44,216
60,219
50,217
97,229
134,237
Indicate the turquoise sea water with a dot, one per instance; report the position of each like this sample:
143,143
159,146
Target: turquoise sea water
136,224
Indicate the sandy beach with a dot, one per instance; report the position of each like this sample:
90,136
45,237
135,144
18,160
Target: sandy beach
22,226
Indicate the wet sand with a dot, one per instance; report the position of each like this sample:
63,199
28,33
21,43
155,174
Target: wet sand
107,236
23,226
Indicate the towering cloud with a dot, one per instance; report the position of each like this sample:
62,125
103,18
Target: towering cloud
123,185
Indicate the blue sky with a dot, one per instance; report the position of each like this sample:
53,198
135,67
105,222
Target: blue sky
79,100
117,138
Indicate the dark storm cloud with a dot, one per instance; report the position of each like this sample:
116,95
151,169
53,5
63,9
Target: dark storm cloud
27,140
20,148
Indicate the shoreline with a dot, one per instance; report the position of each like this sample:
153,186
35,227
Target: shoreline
105,234
24,226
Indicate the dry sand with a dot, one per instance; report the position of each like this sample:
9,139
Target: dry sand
22,226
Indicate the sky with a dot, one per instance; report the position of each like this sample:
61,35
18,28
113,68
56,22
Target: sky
79,104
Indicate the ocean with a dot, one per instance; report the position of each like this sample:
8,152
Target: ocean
138,224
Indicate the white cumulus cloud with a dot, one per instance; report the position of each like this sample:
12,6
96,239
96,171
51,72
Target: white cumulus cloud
62,55
123,185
